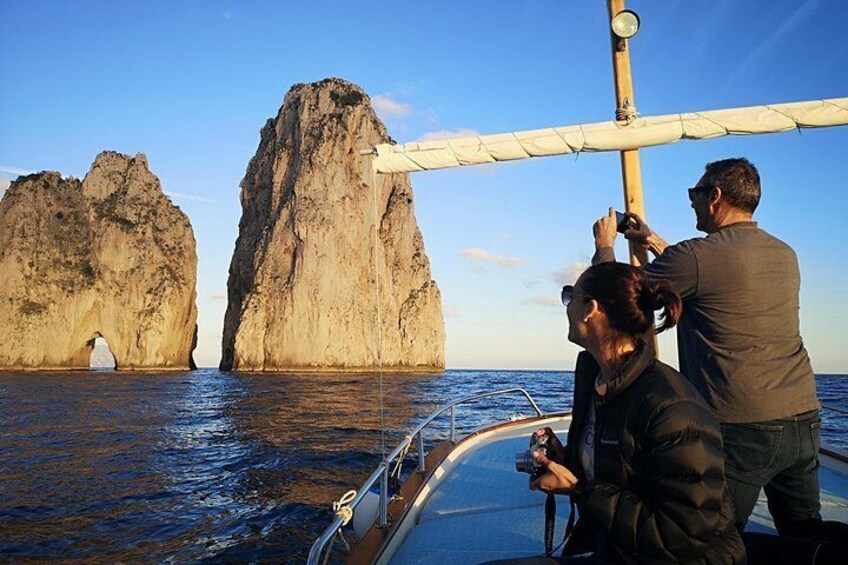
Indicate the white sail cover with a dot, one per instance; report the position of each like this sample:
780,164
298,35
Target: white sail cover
608,136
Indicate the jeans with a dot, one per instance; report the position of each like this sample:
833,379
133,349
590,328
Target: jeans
780,456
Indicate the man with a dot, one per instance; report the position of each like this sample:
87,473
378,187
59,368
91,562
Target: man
739,342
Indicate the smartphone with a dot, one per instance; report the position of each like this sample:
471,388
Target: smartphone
623,223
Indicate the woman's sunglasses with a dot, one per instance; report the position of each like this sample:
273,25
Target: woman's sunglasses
568,293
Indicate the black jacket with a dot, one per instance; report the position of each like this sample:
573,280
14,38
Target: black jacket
659,493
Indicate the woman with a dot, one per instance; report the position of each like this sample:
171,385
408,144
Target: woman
643,463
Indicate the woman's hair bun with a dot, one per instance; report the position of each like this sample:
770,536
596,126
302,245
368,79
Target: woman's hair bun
647,297
665,299
629,298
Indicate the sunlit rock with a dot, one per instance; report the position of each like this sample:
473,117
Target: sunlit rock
303,287
108,257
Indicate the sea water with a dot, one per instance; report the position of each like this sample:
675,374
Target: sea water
209,466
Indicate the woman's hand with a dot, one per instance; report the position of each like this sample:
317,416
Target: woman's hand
557,480
555,449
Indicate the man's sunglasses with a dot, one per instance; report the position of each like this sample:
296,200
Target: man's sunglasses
568,293
696,189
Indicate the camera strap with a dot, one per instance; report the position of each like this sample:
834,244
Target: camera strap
550,521
569,526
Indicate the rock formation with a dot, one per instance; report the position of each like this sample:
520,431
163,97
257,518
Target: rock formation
108,257
304,293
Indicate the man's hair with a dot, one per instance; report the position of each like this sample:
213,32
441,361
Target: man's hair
738,180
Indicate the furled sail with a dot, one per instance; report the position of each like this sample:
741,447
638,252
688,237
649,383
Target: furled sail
608,136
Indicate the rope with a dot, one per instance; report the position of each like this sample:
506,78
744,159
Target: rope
329,548
342,507
626,114
338,534
379,340
396,473
792,119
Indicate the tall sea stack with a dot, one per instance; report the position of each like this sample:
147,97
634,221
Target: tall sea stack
108,257
304,291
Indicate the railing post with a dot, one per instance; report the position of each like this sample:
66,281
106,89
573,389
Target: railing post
453,424
384,496
421,464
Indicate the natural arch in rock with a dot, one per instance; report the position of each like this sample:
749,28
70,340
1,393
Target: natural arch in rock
101,356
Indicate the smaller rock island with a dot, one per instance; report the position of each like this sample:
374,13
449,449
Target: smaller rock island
109,256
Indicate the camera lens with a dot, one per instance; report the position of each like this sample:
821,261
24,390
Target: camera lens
524,462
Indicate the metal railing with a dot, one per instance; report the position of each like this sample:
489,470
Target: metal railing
382,471
836,452
834,409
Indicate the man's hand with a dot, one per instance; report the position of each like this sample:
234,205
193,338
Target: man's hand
639,232
558,479
605,230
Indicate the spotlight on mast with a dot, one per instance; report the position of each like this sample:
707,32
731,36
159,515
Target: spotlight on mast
625,24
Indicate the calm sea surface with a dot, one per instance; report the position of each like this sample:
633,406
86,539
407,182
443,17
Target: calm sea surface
101,467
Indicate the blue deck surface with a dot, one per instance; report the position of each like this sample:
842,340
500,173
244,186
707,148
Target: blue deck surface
833,484
483,510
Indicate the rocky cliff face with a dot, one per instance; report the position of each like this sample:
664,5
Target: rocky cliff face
108,257
303,288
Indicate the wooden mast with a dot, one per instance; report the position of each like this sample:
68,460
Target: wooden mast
631,170
625,104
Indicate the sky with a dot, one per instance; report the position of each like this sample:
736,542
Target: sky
191,83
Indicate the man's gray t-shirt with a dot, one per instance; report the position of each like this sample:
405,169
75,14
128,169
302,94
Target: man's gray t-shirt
738,337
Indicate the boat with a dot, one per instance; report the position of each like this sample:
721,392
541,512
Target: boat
465,502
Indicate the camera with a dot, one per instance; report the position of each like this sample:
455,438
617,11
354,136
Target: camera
623,222
524,462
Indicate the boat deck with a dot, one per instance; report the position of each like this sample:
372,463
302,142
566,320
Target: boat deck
478,508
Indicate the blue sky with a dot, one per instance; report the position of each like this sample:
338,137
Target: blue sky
190,84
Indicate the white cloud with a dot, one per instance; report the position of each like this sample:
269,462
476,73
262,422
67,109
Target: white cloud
477,255
15,171
569,273
787,26
775,38
451,312
219,296
180,195
544,300
4,184
388,107
448,134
